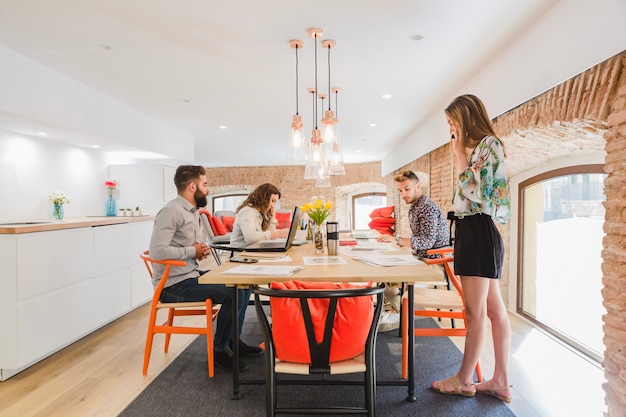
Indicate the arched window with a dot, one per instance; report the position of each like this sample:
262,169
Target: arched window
227,201
363,204
560,232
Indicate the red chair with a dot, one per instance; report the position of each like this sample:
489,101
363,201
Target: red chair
200,308
436,303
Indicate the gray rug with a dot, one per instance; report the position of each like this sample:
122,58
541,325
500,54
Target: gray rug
184,389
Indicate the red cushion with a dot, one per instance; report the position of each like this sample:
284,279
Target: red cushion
217,226
348,338
382,212
228,222
383,221
284,220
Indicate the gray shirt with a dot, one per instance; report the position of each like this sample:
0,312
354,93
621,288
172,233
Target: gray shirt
247,228
176,230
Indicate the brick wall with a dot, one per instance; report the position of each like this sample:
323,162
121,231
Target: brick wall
295,190
614,248
584,114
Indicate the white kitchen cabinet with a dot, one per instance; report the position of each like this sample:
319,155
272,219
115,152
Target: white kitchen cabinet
58,286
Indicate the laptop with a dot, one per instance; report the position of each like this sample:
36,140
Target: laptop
279,245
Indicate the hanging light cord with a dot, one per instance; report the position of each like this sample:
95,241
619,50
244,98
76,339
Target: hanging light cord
329,96
297,108
315,112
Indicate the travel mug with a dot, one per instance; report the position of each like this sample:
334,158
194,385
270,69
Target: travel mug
332,237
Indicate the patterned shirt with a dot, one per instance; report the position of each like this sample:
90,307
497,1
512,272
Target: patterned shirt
429,228
482,186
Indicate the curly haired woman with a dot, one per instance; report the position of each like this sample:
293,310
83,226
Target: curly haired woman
255,218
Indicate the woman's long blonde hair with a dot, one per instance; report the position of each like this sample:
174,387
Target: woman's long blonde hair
471,115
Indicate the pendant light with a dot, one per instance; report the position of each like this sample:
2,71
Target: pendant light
296,150
329,120
336,166
316,165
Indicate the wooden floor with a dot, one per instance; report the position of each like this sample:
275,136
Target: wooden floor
100,374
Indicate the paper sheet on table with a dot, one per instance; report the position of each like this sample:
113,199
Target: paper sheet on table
388,260
323,260
265,270
284,258
376,246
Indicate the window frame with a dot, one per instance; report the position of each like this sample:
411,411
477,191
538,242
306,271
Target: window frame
593,168
354,197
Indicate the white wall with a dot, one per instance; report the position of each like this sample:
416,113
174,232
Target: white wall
546,55
32,168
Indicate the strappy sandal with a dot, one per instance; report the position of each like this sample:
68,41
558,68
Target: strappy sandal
441,387
491,390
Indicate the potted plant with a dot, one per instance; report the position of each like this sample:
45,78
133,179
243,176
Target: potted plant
137,211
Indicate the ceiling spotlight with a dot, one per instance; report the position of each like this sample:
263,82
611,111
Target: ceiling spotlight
223,127
42,134
386,96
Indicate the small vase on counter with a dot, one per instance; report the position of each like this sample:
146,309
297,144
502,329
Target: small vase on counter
58,212
111,206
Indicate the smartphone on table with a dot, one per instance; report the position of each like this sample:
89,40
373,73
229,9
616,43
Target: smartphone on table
243,260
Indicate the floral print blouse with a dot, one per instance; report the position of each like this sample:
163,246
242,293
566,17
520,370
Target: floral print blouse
482,187
429,228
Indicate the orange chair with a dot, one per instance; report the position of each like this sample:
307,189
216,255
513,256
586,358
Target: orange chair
200,308
436,303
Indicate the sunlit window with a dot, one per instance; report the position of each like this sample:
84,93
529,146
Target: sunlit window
228,202
363,205
560,255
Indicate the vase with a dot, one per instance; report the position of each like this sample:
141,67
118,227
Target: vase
111,206
318,238
58,212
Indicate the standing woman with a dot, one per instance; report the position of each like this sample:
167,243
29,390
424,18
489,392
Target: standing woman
255,218
481,196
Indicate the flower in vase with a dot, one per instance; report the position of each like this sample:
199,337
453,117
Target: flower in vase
57,197
318,210
111,185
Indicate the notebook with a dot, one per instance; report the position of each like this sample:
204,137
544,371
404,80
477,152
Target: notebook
365,234
279,245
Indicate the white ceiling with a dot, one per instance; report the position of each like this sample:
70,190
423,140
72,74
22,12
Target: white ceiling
196,65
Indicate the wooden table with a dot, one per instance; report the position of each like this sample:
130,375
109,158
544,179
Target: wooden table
352,271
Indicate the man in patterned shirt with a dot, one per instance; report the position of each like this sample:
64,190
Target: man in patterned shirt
429,230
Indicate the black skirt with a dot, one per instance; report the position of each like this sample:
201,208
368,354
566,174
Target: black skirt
478,247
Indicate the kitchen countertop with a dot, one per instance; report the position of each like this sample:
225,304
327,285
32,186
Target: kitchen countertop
10,228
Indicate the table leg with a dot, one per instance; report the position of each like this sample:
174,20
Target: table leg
235,339
411,359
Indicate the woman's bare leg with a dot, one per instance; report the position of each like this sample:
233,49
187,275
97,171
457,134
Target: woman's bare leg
501,333
475,291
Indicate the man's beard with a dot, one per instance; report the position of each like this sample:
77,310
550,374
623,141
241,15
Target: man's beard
201,199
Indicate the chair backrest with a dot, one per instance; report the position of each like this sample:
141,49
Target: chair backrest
205,219
447,260
168,265
320,352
